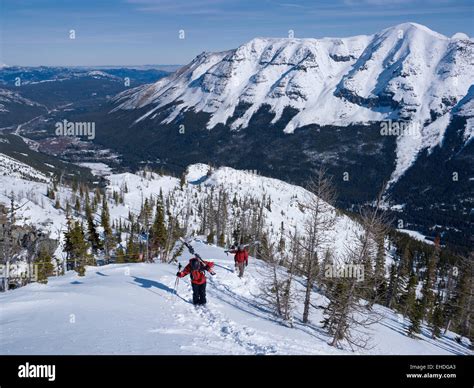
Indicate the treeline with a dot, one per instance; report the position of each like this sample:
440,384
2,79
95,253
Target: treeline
91,236
429,284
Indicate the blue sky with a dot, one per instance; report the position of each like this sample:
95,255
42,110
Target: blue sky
135,32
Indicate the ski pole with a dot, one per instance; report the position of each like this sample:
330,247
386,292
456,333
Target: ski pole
176,282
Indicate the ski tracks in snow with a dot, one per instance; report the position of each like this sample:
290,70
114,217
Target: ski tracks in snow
219,331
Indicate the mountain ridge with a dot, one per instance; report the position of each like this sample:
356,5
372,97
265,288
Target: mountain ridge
406,72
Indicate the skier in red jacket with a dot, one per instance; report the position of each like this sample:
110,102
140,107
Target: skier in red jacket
197,268
241,259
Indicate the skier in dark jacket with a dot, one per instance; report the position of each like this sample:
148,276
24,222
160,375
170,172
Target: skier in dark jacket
241,259
196,269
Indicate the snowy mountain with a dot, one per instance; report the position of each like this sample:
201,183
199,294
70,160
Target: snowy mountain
391,107
406,72
133,309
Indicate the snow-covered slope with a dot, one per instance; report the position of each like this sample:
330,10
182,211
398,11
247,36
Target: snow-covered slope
286,199
132,309
406,72
465,108
14,168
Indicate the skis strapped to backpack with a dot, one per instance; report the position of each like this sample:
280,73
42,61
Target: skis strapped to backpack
196,255
245,246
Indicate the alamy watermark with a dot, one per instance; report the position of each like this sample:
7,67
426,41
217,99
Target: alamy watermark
350,271
400,128
28,370
75,129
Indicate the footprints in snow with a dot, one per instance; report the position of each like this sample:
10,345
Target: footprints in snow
227,330
215,323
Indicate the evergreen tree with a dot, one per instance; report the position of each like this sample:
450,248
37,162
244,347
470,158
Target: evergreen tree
263,248
120,255
44,266
145,214
460,305
410,297
133,251
159,233
105,217
428,298
399,277
92,235
105,223
74,185
415,315
282,243
333,314
76,246
77,206
437,321
182,181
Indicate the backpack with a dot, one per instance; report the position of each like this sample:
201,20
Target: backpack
197,271
195,265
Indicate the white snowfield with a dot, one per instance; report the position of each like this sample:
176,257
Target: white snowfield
406,72
132,309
